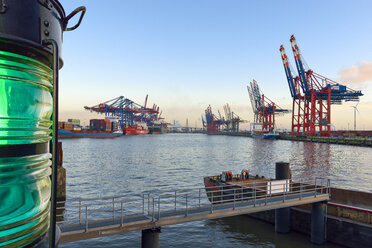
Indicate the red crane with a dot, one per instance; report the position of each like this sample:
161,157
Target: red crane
312,96
213,124
263,108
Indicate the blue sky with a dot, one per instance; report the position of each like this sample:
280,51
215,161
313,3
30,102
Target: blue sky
188,54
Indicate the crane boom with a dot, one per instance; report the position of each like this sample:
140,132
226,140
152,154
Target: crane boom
288,72
300,66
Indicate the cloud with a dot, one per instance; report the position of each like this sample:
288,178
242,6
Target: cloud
360,73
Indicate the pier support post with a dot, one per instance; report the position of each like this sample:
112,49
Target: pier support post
282,215
150,238
61,176
317,223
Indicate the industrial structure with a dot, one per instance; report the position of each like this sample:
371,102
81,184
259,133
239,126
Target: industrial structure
232,120
228,123
312,96
264,109
127,111
211,124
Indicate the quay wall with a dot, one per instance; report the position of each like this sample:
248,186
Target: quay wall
349,218
353,140
339,231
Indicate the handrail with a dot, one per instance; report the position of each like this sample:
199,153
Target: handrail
313,179
350,207
153,206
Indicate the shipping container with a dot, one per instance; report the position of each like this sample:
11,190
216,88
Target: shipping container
61,124
74,121
98,125
68,126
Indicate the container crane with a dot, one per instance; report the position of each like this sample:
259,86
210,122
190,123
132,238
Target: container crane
313,105
212,122
127,111
255,97
263,108
232,120
300,106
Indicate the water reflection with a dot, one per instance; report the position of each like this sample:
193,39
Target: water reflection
250,232
132,165
314,159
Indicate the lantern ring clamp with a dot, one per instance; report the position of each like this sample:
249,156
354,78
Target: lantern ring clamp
3,6
81,9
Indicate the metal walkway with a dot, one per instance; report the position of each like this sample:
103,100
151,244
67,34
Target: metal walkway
90,218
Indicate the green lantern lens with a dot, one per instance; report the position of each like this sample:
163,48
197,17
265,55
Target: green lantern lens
26,107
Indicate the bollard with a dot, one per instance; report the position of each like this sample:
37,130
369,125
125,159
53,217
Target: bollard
282,215
282,171
150,238
317,223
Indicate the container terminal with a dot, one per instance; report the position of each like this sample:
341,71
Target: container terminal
134,119
312,96
31,171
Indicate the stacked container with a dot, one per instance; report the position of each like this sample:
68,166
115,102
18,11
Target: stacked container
100,125
74,121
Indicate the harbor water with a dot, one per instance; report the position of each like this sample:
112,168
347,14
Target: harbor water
135,164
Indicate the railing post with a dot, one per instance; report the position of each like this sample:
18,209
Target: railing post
122,214
86,218
79,211
270,189
315,189
328,186
283,193
301,188
143,204
266,196
153,209
148,203
186,207
175,200
113,208
159,208
234,199
199,196
212,202
254,195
